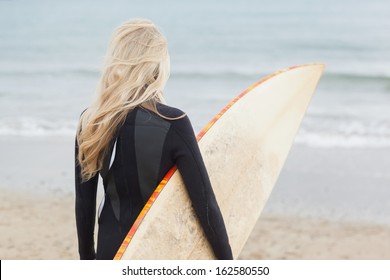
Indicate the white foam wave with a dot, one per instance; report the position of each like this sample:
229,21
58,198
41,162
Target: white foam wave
341,141
344,132
36,127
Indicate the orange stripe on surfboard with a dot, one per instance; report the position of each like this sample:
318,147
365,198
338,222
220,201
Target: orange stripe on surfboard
170,173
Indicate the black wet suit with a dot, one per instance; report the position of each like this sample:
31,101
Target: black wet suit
147,146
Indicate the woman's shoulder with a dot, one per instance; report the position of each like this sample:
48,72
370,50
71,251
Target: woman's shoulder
169,111
178,119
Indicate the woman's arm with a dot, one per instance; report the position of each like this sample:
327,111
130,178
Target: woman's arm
191,166
85,212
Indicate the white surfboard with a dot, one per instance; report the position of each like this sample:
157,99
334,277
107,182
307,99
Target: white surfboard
244,148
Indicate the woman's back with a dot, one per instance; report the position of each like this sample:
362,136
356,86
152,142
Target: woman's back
145,147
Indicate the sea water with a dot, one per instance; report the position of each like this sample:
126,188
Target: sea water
51,54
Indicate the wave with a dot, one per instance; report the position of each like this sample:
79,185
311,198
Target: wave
36,127
202,74
346,132
341,141
357,77
315,131
83,72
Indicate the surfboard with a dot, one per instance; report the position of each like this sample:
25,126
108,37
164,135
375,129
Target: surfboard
244,148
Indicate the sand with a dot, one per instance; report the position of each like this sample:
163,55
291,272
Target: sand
277,237
43,227
37,227
327,204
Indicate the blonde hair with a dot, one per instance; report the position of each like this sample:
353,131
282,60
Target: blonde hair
135,72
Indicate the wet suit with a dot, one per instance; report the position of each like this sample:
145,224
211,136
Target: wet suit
146,146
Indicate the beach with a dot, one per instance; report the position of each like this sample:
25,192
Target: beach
296,223
43,228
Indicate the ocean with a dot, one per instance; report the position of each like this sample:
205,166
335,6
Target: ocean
51,53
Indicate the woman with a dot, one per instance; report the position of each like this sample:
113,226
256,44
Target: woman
132,139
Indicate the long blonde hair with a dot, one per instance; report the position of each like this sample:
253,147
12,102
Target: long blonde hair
135,72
